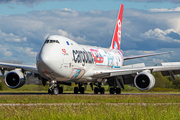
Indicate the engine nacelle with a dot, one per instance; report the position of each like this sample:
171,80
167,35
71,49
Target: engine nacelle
15,79
144,81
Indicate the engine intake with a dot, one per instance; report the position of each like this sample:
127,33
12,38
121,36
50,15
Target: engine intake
15,79
144,81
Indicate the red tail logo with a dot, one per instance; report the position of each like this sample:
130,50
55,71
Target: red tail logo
115,44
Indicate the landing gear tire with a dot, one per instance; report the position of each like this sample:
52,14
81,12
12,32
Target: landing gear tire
111,90
60,90
102,90
96,90
76,90
82,90
55,91
118,90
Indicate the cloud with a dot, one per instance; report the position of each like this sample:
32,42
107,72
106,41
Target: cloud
11,7
31,2
174,22
25,33
21,1
165,10
143,32
11,37
30,52
78,38
153,60
172,1
159,34
7,53
28,2
70,36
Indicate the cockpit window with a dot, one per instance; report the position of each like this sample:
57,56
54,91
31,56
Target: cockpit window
51,41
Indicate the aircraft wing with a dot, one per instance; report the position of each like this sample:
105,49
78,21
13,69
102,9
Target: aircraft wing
12,66
131,70
146,55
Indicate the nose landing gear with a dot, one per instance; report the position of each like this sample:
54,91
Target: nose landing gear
54,88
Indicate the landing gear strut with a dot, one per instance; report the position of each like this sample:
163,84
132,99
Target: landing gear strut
54,88
79,89
98,89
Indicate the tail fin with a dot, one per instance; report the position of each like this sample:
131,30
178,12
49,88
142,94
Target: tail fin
115,44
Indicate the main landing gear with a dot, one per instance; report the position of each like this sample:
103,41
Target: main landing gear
55,89
99,89
115,90
116,84
79,89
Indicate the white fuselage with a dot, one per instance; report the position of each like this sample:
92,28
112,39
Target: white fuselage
63,59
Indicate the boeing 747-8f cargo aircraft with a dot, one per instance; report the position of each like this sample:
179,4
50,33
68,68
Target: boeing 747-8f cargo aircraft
63,61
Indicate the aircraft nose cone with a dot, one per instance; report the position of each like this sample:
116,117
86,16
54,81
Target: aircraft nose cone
44,63
45,58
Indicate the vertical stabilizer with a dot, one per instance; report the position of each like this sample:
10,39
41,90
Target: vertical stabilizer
115,44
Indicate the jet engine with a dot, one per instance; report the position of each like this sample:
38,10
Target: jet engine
144,81
15,79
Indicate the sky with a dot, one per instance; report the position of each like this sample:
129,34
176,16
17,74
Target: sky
149,26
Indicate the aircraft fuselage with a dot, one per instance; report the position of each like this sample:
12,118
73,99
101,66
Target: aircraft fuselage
63,59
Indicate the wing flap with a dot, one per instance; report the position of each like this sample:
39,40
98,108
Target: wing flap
169,72
170,64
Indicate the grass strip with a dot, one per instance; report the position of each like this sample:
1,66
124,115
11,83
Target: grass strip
101,112
90,99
